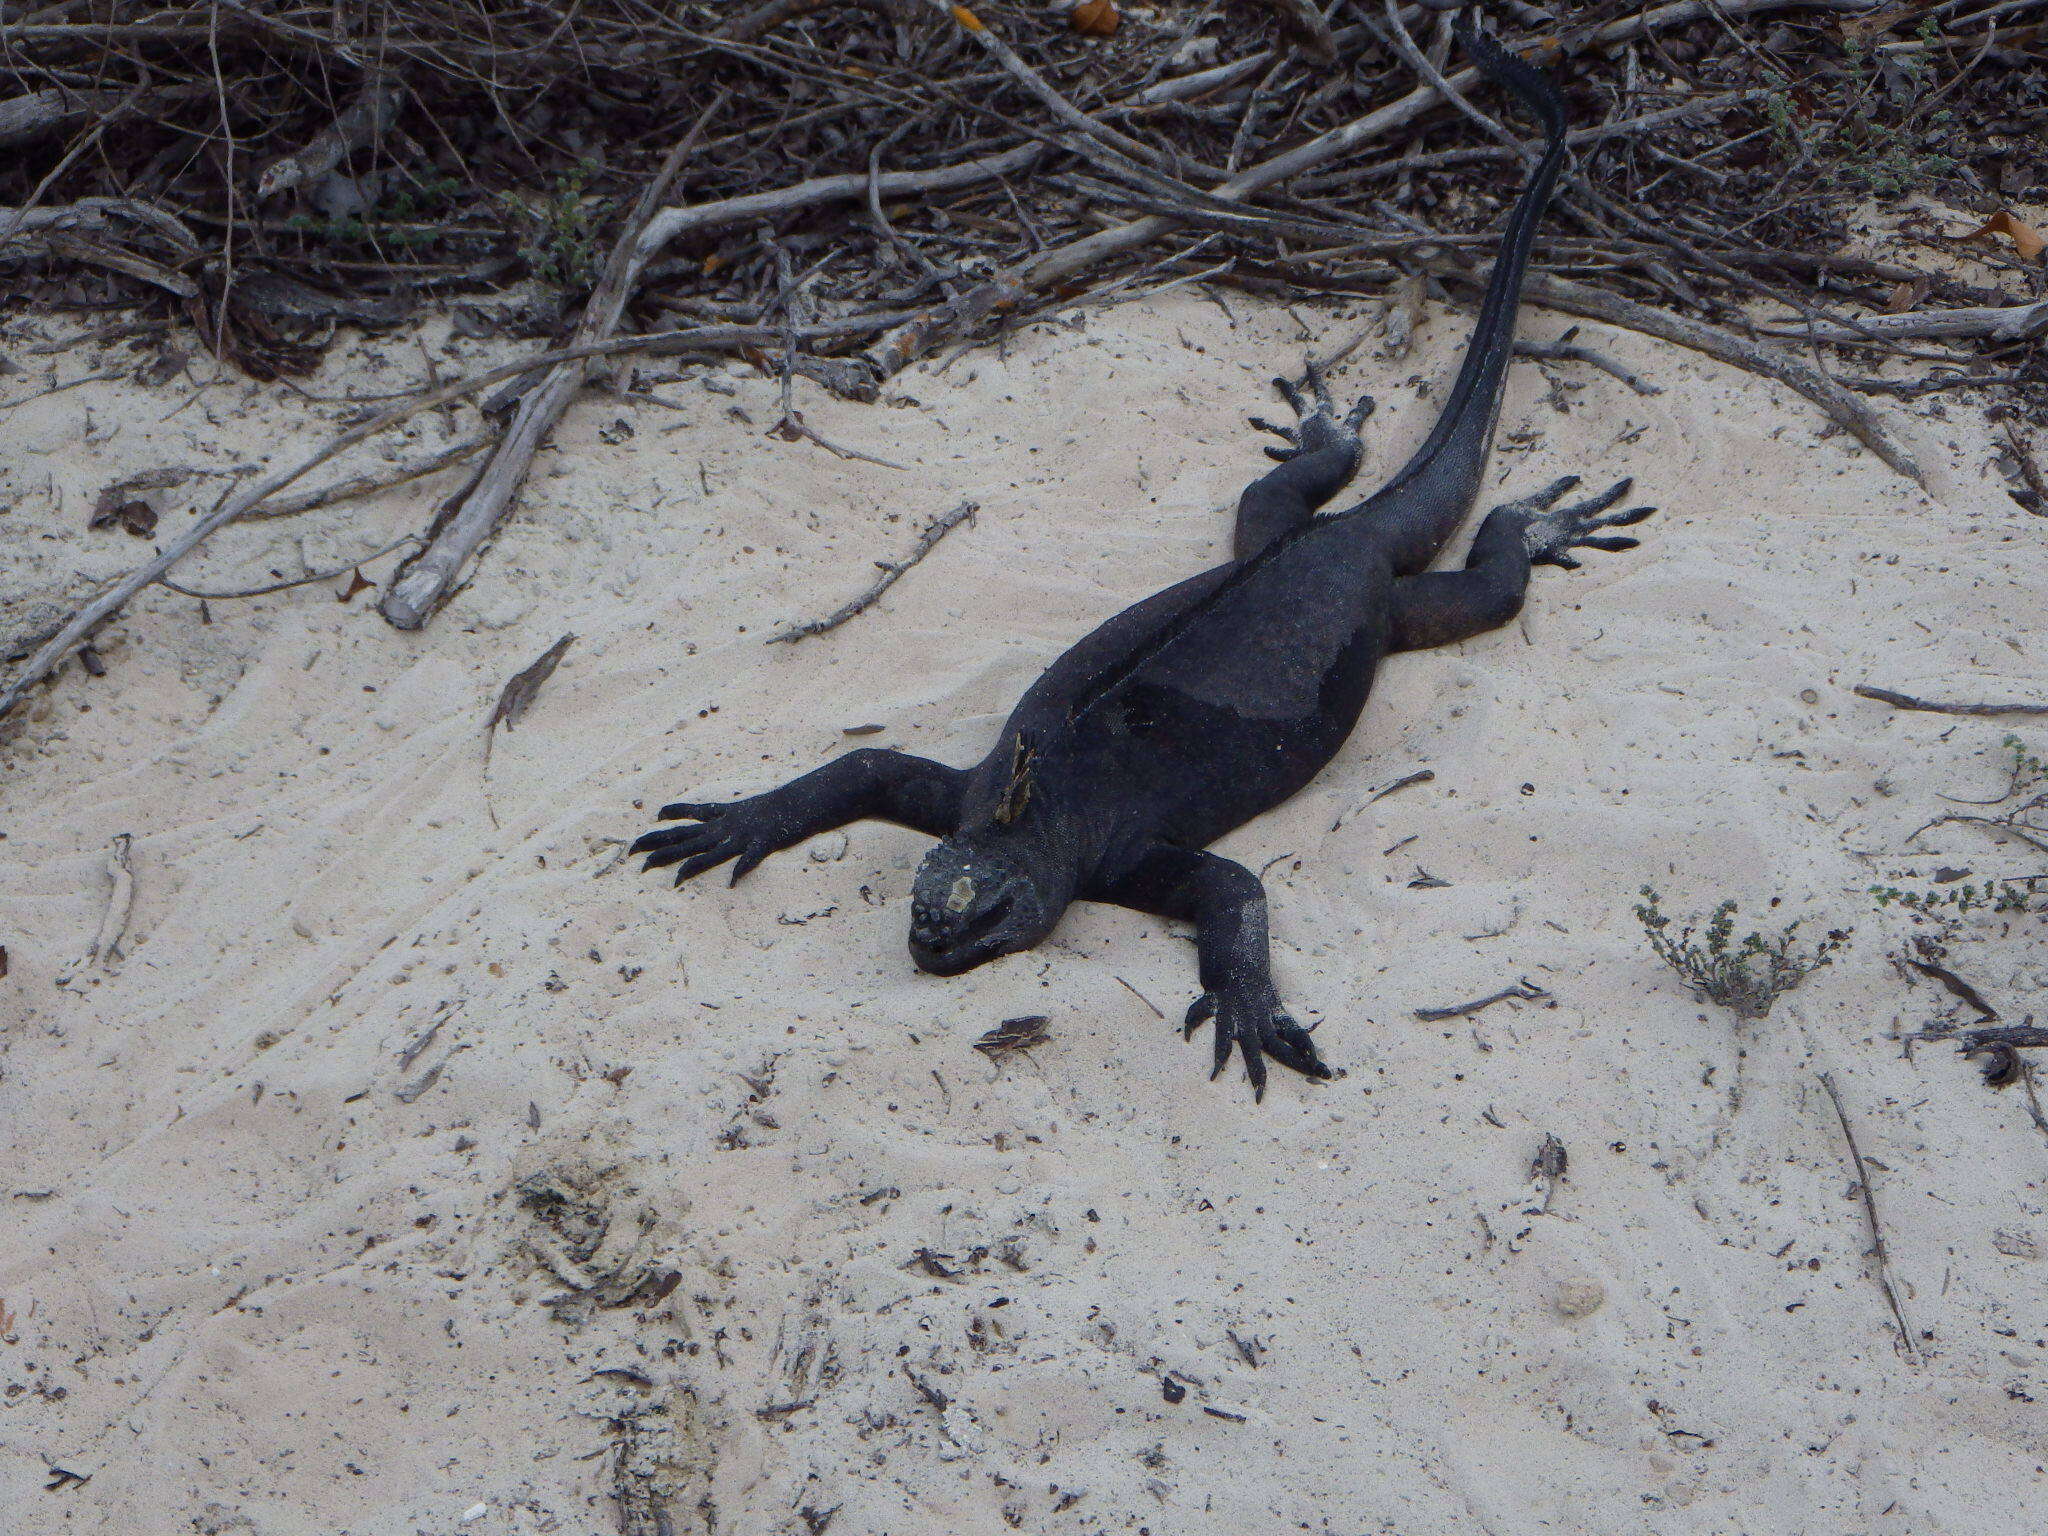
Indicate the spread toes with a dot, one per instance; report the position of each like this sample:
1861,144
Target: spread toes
1552,533
1256,1032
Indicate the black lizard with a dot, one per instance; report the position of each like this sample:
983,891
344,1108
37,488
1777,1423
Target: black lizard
1210,702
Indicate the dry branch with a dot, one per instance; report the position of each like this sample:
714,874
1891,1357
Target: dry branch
672,224
95,214
1066,262
105,948
1841,406
26,118
1935,707
1884,1266
891,574
422,582
2009,322
369,484
365,120
425,581
104,604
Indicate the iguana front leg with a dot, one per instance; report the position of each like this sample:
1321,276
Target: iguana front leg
1321,455
1227,905
868,783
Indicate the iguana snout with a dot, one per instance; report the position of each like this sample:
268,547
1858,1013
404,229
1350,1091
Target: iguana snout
967,908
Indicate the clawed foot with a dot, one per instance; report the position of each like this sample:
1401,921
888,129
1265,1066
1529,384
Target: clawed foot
1316,423
1551,533
1250,1017
745,830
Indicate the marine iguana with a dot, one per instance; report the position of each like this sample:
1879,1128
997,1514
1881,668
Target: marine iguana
1213,701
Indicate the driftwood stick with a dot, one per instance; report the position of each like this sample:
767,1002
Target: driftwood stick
363,121
1524,989
104,604
23,119
1566,350
1936,707
1840,406
891,574
422,583
369,484
105,948
671,224
289,582
2008,322
1884,1268
92,213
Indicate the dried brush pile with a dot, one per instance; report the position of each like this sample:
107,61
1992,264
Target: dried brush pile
840,187
275,167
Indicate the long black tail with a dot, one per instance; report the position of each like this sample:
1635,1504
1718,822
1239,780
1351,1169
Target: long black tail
1475,397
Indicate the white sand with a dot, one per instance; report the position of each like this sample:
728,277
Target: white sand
252,1288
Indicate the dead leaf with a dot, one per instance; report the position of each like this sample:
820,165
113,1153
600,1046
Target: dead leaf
356,583
2026,239
1096,18
1015,1035
520,693
162,368
968,19
116,507
3,960
1908,295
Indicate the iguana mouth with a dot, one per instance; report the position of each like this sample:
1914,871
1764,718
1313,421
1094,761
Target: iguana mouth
946,949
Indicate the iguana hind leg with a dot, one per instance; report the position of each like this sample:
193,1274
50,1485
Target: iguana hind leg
868,783
1321,454
1444,607
1227,905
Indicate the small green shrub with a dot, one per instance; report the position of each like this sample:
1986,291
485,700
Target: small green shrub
559,238
1746,975
2021,817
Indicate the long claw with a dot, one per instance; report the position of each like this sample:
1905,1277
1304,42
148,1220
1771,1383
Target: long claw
1291,395
1255,1069
697,863
1355,417
1317,384
1552,491
1624,519
681,809
1610,542
661,837
1605,499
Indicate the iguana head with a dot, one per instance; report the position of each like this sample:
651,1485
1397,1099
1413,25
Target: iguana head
969,907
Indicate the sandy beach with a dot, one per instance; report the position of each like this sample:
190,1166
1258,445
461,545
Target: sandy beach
417,1165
